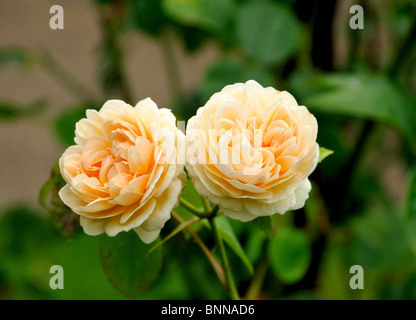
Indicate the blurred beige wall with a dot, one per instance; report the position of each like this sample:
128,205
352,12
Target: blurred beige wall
28,147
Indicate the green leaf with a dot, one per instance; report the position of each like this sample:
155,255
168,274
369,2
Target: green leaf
289,255
10,111
229,237
323,153
265,224
18,57
192,37
23,229
103,2
210,15
367,96
147,15
226,71
269,32
254,244
123,260
378,242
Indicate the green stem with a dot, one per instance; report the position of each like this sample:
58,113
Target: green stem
214,211
65,78
357,154
190,207
171,66
231,288
113,75
392,72
217,268
403,52
256,284
207,206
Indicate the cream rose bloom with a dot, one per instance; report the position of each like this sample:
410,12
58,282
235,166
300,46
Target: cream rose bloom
123,173
251,149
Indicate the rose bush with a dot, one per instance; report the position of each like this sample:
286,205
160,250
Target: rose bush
123,173
251,149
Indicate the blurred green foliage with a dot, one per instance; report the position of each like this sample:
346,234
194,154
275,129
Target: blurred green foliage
358,96
123,263
289,255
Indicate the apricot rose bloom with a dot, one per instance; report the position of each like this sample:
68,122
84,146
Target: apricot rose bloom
251,149
123,173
